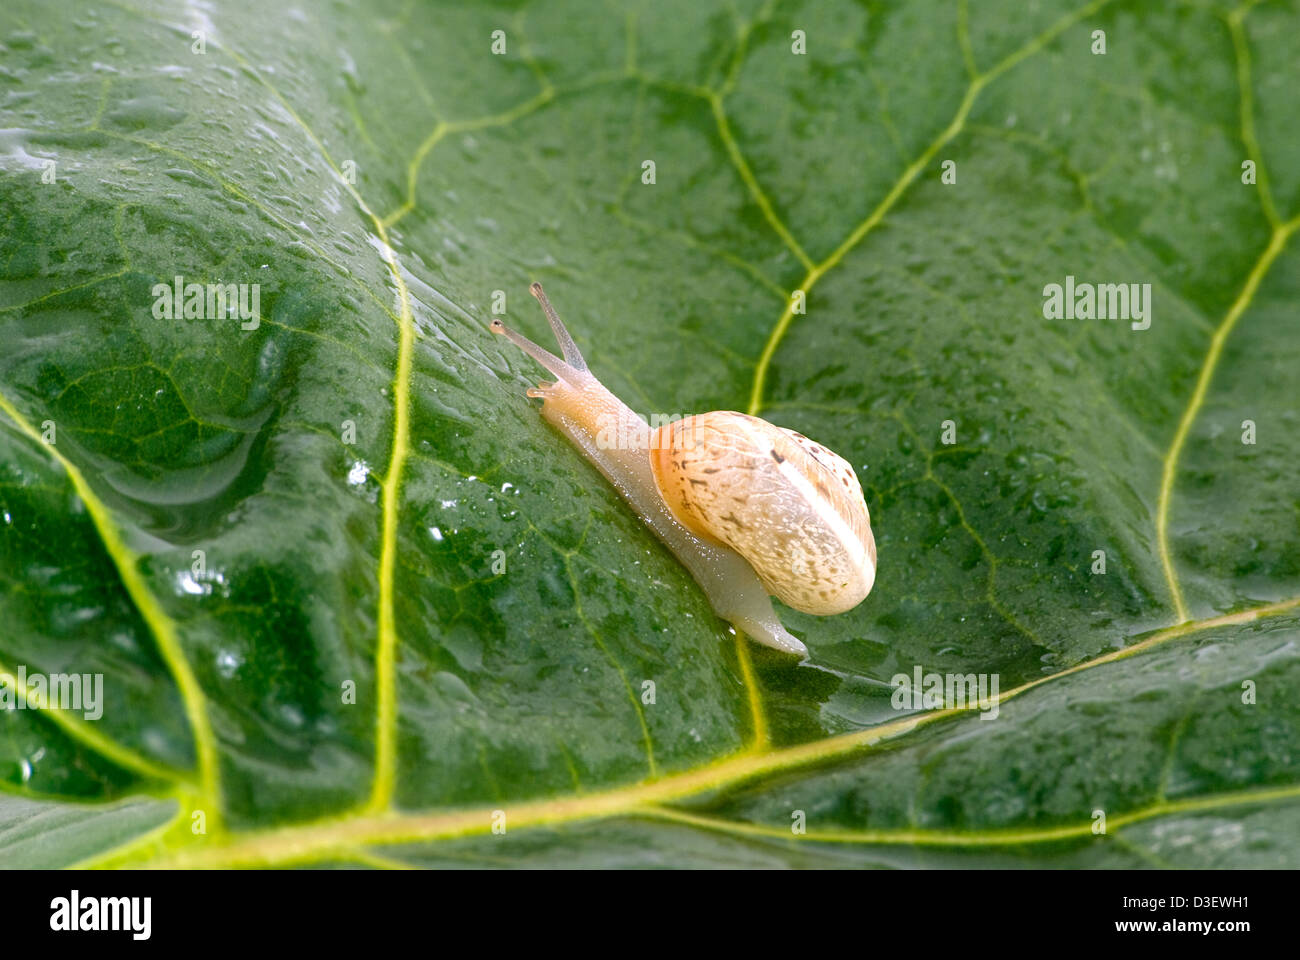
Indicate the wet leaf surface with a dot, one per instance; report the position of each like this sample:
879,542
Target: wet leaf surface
330,562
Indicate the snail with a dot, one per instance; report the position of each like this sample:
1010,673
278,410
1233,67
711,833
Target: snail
749,508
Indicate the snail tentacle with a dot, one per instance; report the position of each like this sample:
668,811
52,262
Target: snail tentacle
565,371
567,345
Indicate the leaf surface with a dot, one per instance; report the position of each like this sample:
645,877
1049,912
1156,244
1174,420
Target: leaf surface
331,563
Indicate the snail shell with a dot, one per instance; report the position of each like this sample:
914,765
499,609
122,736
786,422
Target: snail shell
789,506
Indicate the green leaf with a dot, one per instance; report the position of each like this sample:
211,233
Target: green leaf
353,601
42,834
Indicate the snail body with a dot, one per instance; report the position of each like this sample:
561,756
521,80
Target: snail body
749,508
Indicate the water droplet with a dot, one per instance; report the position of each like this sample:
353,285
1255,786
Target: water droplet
227,663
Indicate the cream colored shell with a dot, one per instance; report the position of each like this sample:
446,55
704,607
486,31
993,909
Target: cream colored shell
789,506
